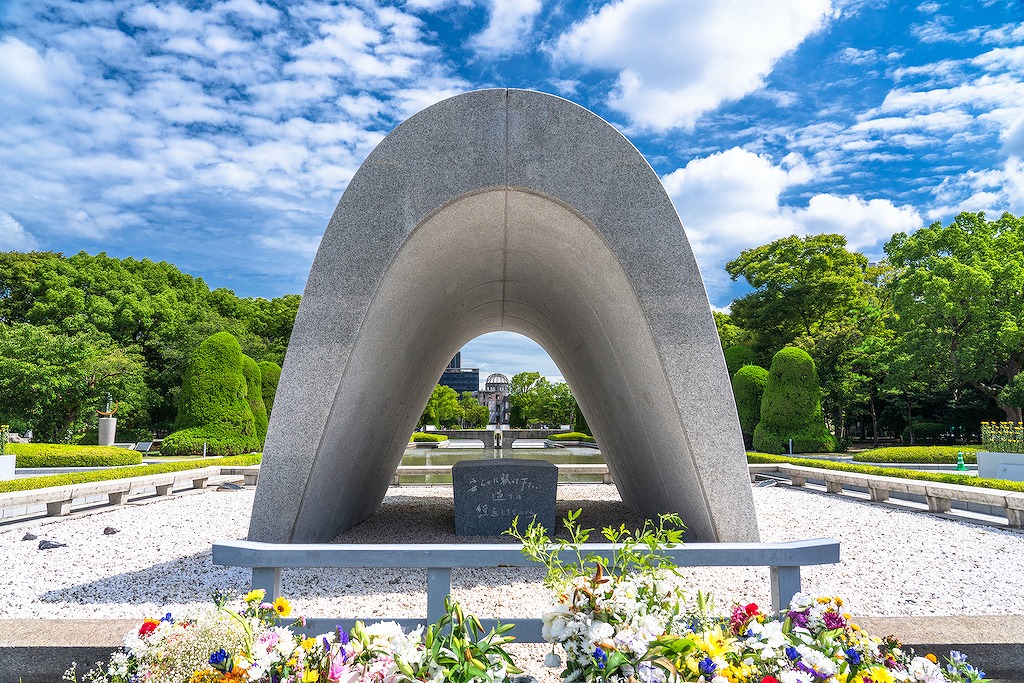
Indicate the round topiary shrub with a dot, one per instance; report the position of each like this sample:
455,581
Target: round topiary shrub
748,387
213,408
270,375
791,407
254,394
738,356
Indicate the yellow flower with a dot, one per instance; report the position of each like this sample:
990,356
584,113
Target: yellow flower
255,595
932,658
282,607
308,643
877,673
310,676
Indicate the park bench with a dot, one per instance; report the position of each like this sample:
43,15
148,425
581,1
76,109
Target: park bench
268,559
938,495
59,499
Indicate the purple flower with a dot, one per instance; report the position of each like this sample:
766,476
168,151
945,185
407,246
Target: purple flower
798,619
792,654
852,656
833,620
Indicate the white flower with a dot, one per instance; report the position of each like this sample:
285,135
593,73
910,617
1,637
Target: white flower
800,602
815,658
599,631
925,670
794,677
555,622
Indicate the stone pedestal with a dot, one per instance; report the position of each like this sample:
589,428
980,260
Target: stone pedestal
489,494
108,430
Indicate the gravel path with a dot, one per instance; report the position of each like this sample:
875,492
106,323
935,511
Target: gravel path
893,562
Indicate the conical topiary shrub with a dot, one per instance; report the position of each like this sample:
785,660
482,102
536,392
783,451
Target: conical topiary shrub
213,408
791,407
270,375
748,387
254,394
736,357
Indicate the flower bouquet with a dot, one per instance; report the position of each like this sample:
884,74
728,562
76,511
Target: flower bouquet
224,645
624,623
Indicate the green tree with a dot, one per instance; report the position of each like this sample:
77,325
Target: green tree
254,395
813,293
729,334
474,415
53,383
958,292
791,407
738,356
152,308
443,408
214,407
748,387
270,374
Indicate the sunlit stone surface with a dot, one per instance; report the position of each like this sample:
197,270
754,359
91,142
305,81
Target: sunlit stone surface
504,210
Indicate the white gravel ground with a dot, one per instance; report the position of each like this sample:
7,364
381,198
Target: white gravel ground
893,562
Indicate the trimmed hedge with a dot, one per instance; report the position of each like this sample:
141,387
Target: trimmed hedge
213,408
919,454
61,455
270,376
42,482
962,479
254,394
572,436
748,387
738,356
791,407
424,437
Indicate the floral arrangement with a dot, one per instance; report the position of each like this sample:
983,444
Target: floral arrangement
223,645
622,623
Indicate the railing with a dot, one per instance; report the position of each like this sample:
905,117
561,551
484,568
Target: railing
268,559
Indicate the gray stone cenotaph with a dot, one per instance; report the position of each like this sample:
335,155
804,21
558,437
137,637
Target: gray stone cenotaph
504,210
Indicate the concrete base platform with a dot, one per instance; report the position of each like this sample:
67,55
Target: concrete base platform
41,650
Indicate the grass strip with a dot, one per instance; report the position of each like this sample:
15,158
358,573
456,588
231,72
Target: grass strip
940,477
48,480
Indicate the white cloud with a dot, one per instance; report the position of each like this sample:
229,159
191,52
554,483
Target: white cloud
14,236
27,72
731,201
290,241
677,59
511,22
993,191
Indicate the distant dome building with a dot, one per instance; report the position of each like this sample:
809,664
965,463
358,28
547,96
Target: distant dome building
495,397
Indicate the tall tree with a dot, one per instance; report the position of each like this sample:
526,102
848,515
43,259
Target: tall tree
958,292
53,383
813,293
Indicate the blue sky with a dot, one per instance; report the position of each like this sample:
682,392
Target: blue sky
220,135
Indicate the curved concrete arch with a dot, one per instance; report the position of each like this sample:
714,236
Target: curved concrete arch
504,210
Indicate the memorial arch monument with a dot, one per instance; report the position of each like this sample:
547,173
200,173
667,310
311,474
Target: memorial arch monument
504,210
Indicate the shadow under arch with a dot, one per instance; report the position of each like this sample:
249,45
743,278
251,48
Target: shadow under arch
503,210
